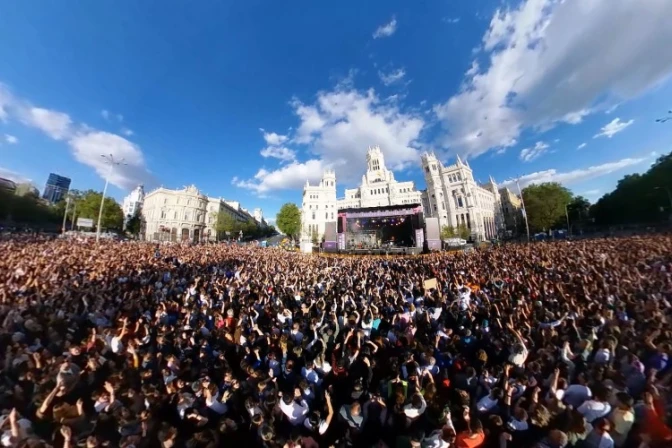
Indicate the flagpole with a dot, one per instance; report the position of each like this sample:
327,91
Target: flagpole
522,201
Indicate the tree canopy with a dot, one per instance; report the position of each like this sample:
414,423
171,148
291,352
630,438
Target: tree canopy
288,220
134,224
88,206
545,205
638,198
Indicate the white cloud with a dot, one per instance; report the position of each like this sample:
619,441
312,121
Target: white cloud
581,146
87,144
127,132
613,127
574,176
292,176
386,30
591,194
278,152
12,140
392,77
529,154
56,125
338,128
274,139
105,114
552,61
89,147
451,20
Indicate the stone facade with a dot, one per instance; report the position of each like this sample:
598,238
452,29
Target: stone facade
512,208
133,203
456,199
378,188
185,215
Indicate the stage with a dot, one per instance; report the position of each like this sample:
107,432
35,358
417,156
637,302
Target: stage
386,230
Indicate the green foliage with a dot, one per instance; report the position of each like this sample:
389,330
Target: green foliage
289,220
545,205
313,237
463,232
225,224
88,206
27,210
638,198
448,232
134,224
579,212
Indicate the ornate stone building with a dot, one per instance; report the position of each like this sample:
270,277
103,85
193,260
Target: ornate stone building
378,188
456,199
512,208
185,215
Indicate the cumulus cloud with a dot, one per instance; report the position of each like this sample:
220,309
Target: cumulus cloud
278,152
613,127
12,140
86,144
551,61
529,154
273,139
392,77
292,176
386,30
337,130
574,176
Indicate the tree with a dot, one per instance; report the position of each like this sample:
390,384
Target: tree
88,206
638,198
288,220
134,224
463,232
545,204
578,211
225,224
448,232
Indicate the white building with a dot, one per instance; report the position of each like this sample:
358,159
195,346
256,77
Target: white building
185,215
378,188
456,199
133,202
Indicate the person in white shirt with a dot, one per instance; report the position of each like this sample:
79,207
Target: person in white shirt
295,410
416,407
520,352
314,423
596,408
490,401
309,373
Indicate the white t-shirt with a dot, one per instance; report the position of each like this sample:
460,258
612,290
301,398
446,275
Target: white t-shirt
321,428
215,405
295,412
116,345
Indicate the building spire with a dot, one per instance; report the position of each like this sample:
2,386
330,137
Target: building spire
459,161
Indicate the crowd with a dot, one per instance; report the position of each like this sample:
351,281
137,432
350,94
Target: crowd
125,344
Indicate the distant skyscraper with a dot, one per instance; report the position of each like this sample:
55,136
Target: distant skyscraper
56,189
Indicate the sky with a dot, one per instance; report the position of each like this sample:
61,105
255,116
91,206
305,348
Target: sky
249,100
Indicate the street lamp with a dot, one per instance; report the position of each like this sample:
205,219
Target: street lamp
65,215
569,229
109,159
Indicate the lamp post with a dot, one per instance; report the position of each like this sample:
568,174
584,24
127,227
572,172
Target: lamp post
522,202
109,159
65,214
569,229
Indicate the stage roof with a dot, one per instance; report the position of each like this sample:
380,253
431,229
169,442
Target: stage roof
404,209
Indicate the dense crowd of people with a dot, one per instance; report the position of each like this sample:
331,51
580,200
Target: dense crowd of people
126,344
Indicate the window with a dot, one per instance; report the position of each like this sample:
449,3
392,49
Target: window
313,215
165,201
326,215
459,202
443,205
186,216
163,214
427,169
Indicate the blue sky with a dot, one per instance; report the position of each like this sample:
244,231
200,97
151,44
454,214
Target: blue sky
247,100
